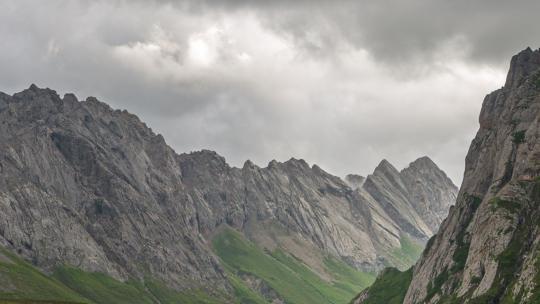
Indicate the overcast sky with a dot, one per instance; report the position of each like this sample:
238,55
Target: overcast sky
342,84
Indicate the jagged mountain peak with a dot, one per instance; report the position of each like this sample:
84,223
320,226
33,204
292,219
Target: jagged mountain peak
292,164
70,97
423,161
417,197
34,93
249,165
207,158
33,88
424,165
298,163
385,167
521,66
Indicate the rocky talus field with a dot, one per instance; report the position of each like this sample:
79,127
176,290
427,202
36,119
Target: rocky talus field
488,249
96,208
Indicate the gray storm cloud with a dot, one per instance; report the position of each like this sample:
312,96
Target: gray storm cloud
341,84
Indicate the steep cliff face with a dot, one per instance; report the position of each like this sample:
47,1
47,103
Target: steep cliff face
417,198
488,249
431,192
288,205
86,186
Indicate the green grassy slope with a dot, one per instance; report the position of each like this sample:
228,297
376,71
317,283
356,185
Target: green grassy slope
20,281
168,296
390,287
26,301
405,256
243,294
287,276
101,288
347,278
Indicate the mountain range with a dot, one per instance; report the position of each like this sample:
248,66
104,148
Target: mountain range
97,208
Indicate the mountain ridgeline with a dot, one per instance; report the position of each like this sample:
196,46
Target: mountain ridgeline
96,208
488,249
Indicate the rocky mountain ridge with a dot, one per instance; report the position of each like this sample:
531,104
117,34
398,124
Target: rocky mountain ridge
488,249
94,188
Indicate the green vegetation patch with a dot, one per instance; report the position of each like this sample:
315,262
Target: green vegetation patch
100,287
536,81
243,294
35,302
286,275
346,277
103,289
435,286
518,137
535,298
498,203
509,261
474,201
461,254
460,257
408,253
21,281
169,296
476,280
390,287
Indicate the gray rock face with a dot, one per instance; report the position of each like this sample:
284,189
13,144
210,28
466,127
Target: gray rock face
431,192
92,187
87,186
417,198
488,249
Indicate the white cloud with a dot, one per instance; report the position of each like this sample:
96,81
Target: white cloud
233,81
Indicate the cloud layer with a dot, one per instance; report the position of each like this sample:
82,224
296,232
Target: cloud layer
342,85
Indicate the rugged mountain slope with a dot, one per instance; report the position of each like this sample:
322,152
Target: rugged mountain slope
86,186
20,283
431,192
417,198
403,203
488,249
18,276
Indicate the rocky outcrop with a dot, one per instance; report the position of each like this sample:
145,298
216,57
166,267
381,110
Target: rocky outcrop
84,185
488,249
417,198
431,192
